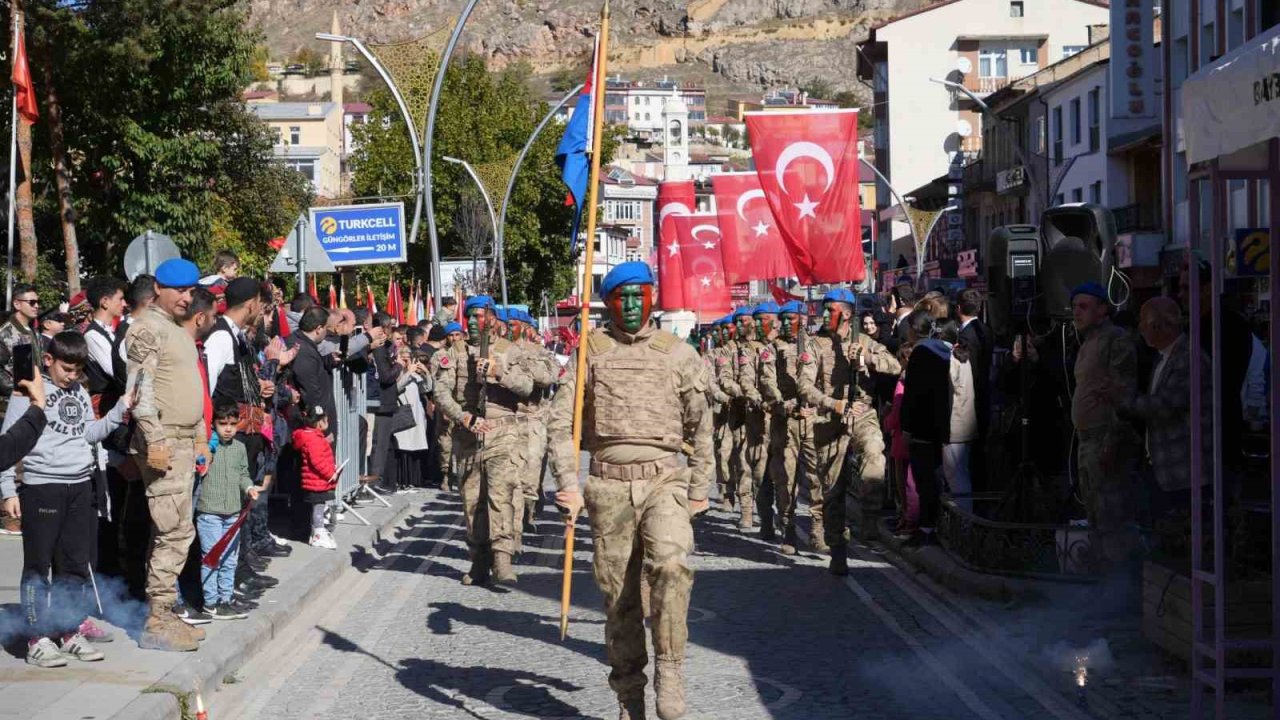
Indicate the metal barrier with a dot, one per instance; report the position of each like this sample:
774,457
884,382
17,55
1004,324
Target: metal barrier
349,404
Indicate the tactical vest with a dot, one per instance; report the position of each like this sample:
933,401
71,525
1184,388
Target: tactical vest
237,382
100,380
634,393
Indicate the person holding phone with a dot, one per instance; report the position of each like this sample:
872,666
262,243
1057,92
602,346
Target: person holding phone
19,329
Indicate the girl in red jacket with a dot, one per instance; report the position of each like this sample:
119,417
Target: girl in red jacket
319,473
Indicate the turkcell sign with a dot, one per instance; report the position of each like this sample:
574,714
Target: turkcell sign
361,234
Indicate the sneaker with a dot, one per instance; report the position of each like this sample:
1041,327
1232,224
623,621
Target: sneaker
279,541
76,646
43,653
226,611
322,539
191,616
93,632
240,606
329,542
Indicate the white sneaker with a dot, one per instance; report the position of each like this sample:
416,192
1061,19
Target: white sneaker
43,653
317,539
329,542
79,648
278,540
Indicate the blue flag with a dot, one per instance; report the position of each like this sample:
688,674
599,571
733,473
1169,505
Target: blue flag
572,154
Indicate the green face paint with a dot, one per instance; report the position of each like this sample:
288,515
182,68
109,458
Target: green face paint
475,325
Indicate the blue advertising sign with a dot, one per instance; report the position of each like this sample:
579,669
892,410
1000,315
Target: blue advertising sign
361,234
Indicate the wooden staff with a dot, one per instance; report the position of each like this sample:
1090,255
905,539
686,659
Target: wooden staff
580,377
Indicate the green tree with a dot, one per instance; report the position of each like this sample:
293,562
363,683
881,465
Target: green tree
818,88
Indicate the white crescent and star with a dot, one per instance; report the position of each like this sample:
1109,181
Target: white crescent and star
677,208
761,228
709,245
796,151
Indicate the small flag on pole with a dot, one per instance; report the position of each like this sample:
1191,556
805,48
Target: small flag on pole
23,89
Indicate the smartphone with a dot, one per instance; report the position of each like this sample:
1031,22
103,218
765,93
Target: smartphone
24,363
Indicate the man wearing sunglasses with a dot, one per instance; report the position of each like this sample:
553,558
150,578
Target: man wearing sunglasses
19,329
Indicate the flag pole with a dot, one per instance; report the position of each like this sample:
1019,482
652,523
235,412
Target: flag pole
13,171
579,394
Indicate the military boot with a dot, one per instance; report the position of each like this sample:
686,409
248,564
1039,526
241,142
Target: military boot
529,527
839,561
745,520
631,708
479,572
502,572
817,537
668,683
789,540
726,505
164,631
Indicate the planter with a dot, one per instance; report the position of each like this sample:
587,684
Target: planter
1167,615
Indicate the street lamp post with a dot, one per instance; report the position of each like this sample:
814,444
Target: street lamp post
498,249
987,111
408,125
902,201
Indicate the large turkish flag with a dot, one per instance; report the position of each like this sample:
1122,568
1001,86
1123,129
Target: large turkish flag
705,289
808,168
753,247
674,198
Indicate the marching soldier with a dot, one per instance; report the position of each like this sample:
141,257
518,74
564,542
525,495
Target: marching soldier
542,369
791,434
722,383
459,394
731,380
836,378
444,427
645,402
718,403
759,412
163,368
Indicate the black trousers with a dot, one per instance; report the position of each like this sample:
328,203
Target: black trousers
380,454
59,536
926,461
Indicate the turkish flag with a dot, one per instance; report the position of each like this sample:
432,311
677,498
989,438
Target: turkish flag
705,289
753,247
674,199
808,168
24,91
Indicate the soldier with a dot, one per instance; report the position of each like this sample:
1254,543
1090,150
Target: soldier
530,342
731,380
645,402
170,437
458,394
835,377
791,434
718,402
444,428
720,383
759,412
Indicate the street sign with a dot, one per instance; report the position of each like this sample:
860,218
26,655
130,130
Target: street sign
146,252
361,234
302,244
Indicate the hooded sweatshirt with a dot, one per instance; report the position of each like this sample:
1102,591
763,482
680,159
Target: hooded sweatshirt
63,454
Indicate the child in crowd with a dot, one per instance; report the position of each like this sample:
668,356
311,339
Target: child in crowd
319,478
223,491
57,506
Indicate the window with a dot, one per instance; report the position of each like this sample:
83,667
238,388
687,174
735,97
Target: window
1028,56
1015,8
1069,50
307,168
1057,135
1041,139
295,135
278,135
1077,195
992,63
1075,122
1095,120
1095,193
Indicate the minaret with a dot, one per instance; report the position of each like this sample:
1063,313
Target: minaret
675,138
336,65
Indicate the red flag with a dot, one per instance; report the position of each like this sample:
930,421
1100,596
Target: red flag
395,308
24,92
368,299
753,247
333,297
413,305
674,199
808,168
315,294
282,322
705,290
780,295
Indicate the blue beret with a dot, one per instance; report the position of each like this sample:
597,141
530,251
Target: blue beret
766,307
478,301
739,312
842,295
452,327
628,273
1090,288
795,307
177,273
501,312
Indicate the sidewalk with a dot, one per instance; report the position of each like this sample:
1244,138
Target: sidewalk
144,684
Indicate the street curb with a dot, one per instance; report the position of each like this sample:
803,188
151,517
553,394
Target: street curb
938,564
221,655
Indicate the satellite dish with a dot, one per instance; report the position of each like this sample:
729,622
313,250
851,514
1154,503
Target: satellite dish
963,128
963,65
146,252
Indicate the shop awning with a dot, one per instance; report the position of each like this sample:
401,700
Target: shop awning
1234,103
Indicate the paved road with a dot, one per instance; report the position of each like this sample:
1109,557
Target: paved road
770,637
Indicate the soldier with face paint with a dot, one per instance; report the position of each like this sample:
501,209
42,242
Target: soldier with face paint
531,478
459,393
718,401
726,385
791,434
837,379
744,332
759,412
644,403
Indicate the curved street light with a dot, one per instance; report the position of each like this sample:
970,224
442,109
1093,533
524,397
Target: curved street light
498,249
987,111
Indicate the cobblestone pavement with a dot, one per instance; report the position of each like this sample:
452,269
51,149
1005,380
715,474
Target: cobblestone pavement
770,637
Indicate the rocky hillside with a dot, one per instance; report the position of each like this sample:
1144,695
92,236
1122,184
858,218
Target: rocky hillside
740,46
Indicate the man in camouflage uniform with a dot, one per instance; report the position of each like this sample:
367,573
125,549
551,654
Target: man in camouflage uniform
532,478
744,328
836,378
761,400
459,396
444,428
718,402
791,431
721,383
513,374
20,329
645,402
163,369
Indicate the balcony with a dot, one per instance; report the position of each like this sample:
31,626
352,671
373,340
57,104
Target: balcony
1138,217
983,86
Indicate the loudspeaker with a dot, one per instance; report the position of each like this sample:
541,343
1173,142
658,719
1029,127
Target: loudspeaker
1077,246
1013,258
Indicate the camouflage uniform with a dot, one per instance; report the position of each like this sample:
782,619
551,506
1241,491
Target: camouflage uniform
790,433
645,401
510,408
721,384
735,432
826,377
532,477
755,443
717,405
457,392
12,335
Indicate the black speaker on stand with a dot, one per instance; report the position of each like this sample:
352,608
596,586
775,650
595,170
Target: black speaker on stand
1078,245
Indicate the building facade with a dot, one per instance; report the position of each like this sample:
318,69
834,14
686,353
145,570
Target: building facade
638,105
308,139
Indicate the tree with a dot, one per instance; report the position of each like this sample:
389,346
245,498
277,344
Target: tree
818,88
732,136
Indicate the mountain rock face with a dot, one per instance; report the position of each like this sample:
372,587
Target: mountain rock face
730,45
